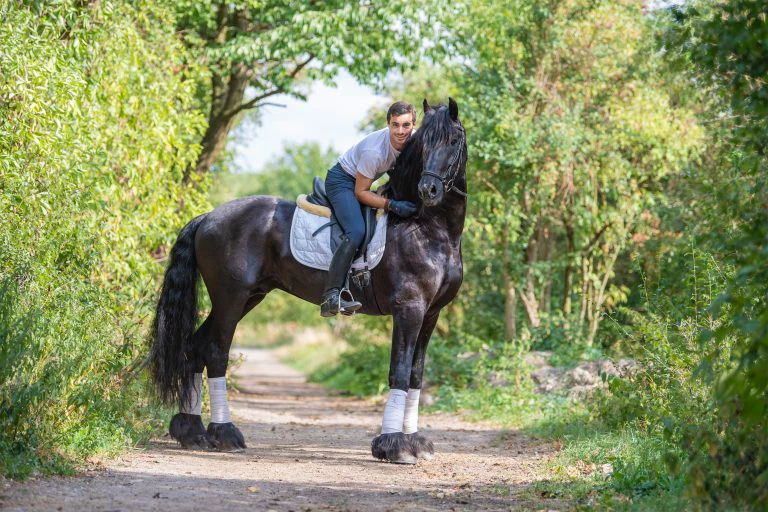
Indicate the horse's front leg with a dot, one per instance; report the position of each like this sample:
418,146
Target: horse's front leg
392,444
422,447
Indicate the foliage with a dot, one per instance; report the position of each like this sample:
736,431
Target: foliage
358,371
361,368
96,128
255,49
573,132
617,157
723,43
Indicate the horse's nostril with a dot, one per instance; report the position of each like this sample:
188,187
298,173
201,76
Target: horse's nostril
432,191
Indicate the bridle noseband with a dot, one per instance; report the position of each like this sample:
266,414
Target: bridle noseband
448,182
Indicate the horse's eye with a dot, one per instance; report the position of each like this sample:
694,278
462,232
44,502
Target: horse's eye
454,142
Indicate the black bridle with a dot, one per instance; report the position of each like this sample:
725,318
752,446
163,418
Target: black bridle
448,182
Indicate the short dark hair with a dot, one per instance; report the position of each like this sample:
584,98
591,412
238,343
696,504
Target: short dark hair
399,108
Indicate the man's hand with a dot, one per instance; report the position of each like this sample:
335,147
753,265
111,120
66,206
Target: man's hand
402,208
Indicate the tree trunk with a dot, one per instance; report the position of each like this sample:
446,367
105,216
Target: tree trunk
546,242
584,290
528,295
510,313
531,309
568,272
510,296
225,105
600,298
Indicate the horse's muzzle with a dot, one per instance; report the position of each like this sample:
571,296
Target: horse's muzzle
430,190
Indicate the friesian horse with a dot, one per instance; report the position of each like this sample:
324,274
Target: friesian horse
241,249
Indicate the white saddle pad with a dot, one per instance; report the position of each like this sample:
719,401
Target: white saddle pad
315,251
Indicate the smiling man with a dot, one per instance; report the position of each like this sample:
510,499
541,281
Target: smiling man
349,183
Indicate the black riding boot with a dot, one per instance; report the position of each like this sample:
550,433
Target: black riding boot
333,301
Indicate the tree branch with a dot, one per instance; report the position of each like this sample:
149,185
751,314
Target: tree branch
270,104
588,248
254,102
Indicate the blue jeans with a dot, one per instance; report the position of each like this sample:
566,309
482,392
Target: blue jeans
340,188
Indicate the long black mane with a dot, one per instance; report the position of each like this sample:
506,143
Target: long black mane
404,178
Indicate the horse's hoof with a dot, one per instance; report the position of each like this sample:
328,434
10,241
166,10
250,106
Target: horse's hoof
422,447
189,431
394,448
225,437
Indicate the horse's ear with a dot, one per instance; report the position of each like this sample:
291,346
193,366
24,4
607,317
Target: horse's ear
427,108
453,109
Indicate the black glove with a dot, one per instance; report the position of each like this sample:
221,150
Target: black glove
402,208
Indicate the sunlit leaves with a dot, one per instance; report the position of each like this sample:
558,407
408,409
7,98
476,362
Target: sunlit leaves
574,131
96,125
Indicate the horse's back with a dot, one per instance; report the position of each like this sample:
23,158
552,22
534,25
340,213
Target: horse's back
238,237
243,216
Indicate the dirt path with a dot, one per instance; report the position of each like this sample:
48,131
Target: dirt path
307,450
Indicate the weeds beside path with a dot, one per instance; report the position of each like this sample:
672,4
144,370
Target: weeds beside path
307,450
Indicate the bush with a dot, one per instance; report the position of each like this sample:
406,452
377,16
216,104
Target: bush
96,129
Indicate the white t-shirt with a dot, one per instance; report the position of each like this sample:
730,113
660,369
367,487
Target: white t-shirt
371,157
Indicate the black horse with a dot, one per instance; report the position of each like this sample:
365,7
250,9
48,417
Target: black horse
242,251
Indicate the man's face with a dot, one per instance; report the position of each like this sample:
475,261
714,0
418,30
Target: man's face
400,128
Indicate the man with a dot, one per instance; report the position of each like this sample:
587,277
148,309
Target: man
349,183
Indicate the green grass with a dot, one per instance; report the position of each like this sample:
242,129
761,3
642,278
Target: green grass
605,467
597,466
332,362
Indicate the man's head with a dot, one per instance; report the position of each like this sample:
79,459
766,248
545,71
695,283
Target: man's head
401,118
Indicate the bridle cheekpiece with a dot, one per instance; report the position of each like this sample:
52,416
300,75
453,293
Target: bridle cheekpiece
448,182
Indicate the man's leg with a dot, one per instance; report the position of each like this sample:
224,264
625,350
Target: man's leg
341,194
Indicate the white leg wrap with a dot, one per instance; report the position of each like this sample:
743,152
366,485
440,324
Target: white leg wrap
217,388
394,412
195,403
411,419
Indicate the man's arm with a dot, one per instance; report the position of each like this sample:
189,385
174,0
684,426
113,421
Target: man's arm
364,194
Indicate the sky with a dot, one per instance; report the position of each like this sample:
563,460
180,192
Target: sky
330,116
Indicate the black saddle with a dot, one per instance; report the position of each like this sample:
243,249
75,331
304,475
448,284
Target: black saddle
319,197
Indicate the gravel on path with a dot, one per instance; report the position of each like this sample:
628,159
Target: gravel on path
307,450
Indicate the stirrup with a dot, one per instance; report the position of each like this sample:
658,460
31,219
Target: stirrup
352,305
332,303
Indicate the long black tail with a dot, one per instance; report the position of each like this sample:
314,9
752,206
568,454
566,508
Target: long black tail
172,358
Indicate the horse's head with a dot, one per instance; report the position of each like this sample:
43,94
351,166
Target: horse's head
444,152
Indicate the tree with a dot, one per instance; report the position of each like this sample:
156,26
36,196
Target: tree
574,132
256,49
722,46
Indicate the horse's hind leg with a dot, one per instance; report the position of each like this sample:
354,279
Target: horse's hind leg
226,312
187,426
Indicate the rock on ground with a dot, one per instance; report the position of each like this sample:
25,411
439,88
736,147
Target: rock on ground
581,379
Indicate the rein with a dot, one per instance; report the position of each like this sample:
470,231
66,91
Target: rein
448,182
